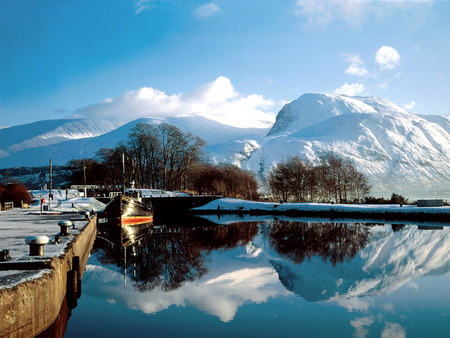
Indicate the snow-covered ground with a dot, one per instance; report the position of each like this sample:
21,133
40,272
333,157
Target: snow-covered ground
159,193
64,201
17,224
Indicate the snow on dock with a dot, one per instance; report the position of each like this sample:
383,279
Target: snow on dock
17,224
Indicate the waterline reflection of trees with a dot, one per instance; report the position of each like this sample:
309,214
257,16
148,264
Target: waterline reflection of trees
168,257
333,242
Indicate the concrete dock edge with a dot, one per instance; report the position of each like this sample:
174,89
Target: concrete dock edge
29,308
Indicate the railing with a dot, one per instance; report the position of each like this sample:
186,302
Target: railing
6,206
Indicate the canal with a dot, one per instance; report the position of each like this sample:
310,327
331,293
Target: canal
250,277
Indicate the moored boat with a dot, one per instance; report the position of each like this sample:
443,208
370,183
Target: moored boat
125,210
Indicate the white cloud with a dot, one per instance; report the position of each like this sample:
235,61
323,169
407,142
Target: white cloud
141,5
410,105
387,58
206,10
351,89
216,100
356,67
320,13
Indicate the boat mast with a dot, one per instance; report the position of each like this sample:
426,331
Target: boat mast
123,173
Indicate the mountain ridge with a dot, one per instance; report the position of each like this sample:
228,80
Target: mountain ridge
396,149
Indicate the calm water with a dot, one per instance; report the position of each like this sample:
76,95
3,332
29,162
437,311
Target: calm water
268,278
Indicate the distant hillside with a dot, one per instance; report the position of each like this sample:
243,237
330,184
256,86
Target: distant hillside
61,145
35,178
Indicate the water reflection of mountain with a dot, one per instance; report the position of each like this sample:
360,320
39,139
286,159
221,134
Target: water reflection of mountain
388,261
218,269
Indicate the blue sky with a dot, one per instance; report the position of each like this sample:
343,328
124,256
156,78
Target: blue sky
236,61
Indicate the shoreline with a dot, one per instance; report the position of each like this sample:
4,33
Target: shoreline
325,210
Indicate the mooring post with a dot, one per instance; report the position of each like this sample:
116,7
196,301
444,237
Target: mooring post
72,281
76,265
64,226
36,244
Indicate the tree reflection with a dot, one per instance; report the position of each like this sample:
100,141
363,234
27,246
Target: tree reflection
169,256
333,242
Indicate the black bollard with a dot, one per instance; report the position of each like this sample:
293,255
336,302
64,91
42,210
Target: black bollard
64,226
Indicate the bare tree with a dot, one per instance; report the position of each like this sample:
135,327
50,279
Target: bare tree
333,179
144,148
112,160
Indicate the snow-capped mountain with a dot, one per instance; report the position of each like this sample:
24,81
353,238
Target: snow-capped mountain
399,151
62,142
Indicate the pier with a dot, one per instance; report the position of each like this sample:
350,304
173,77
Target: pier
33,288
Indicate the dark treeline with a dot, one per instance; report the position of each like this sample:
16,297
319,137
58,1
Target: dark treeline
333,179
226,180
163,157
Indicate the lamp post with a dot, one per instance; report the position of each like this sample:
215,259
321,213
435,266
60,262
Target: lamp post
84,177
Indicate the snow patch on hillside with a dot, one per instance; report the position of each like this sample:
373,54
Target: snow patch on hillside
71,130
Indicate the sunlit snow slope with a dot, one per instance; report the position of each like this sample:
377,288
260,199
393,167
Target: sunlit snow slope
43,133
399,151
